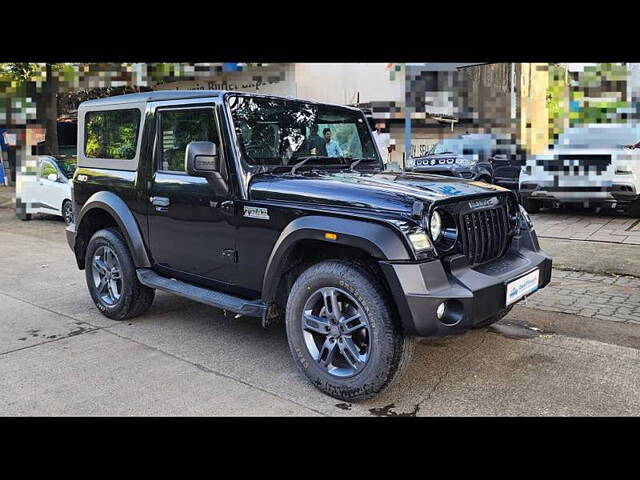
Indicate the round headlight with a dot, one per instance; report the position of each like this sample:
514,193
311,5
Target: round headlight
435,225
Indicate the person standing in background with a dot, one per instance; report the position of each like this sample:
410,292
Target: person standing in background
332,148
383,141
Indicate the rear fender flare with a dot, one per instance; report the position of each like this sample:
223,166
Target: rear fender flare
118,209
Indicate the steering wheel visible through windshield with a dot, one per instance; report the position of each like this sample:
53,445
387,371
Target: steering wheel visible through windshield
275,133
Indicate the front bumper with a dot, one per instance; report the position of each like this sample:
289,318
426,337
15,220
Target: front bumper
618,192
473,294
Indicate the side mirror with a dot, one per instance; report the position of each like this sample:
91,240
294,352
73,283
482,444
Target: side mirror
52,177
202,160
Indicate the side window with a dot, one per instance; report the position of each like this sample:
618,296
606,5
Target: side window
47,169
177,129
112,134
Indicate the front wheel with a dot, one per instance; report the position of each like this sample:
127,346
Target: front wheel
67,212
111,277
343,331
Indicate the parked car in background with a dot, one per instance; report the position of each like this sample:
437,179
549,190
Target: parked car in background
465,156
480,156
48,190
588,166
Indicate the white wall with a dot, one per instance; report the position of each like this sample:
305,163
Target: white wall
275,79
339,83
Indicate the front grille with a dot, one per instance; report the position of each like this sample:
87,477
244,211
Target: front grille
484,234
576,165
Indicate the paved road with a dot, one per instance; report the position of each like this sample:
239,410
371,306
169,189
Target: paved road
58,356
588,225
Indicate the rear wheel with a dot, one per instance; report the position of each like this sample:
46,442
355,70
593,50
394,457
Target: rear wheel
343,331
111,277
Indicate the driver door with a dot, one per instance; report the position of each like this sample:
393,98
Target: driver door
191,233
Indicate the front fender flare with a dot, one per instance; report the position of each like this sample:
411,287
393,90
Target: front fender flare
118,209
379,241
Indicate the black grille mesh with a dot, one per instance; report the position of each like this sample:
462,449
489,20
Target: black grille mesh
484,234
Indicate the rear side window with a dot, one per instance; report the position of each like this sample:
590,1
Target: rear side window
112,134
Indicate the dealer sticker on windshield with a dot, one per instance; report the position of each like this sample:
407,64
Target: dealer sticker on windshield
522,286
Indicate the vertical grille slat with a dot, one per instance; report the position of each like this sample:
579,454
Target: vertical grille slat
484,234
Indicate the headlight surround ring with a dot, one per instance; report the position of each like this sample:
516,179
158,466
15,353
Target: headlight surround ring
447,230
435,225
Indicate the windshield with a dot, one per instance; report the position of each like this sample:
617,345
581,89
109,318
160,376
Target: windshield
275,132
67,166
598,137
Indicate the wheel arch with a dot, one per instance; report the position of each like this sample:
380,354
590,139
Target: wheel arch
357,238
106,209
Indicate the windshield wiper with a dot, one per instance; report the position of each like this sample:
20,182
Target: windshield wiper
302,162
352,166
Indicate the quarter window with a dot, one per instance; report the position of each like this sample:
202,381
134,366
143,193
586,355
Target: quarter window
177,129
112,134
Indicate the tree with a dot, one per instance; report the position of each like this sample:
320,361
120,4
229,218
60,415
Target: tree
28,77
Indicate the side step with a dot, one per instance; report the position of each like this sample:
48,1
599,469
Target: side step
249,308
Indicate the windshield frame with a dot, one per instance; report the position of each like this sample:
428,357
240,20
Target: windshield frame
248,171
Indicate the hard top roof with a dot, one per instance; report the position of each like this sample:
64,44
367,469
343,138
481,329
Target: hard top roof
160,95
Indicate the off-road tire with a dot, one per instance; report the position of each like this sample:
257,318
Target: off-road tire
494,319
135,298
390,351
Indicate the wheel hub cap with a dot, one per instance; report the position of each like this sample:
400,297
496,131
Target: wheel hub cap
336,332
106,273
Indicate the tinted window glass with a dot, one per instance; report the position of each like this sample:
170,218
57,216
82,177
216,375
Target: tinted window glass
177,129
112,134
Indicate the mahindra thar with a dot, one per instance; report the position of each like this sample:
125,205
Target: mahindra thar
281,209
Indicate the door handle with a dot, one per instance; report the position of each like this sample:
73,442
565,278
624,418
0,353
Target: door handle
161,203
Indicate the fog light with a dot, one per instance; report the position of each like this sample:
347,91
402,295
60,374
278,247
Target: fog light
440,310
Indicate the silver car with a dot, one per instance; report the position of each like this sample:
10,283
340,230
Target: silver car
588,166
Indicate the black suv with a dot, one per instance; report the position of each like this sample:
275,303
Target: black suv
280,209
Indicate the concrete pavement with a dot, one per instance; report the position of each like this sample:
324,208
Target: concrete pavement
59,356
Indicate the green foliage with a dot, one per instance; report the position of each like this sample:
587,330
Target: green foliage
595,95
112,134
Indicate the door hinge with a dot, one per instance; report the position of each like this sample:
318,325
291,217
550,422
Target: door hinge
230,254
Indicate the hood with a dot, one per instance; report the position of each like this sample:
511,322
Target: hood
383,191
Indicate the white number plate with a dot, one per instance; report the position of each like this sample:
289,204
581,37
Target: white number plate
522,286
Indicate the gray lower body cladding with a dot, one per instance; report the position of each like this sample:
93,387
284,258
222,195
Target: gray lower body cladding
472,294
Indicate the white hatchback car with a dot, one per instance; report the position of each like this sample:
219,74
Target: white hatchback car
588,166
48,191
